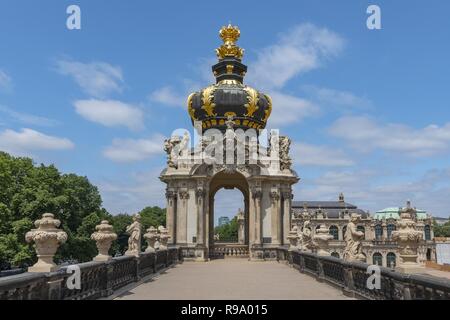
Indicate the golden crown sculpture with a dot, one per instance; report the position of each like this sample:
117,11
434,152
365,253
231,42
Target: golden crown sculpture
229,34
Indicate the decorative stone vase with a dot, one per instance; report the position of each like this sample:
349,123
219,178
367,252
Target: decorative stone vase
322,237
408,239
151,237
163,238
293,238
103,239
47,238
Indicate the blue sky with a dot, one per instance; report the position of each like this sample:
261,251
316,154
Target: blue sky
367,110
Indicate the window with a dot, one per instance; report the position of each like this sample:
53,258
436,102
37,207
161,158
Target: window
427,230
363,230
334,231
335,254
377,259
391,260
378,232
390,228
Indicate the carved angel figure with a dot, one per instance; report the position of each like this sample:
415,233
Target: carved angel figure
307,242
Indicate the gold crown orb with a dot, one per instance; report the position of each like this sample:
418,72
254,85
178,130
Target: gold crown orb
229,34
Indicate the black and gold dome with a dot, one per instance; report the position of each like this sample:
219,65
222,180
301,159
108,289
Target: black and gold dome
229,97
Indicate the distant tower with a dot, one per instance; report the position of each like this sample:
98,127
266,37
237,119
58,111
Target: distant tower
341,197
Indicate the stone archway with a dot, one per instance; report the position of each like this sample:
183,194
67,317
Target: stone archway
225,180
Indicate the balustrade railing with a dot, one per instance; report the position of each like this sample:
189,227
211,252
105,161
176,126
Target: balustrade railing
352,277
98,279
229,250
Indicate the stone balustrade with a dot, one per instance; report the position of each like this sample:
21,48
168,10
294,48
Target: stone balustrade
351,277
98,278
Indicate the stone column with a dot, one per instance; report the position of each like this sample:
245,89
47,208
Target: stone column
47,238
275,217
408,239
171,215
103,239
200,197
257,196
287,215
241,231
182,208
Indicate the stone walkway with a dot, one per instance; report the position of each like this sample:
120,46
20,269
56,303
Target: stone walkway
232,279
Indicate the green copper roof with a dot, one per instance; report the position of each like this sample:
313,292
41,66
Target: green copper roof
394,213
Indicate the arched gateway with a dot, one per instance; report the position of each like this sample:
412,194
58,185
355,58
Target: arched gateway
230,153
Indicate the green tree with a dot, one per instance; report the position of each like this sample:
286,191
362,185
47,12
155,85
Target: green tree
228,232
441,230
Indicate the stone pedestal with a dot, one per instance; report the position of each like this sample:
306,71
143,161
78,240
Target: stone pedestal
103,239
293,239
47,238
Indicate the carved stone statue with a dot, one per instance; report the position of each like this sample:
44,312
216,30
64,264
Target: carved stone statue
151,237
134,241
285,159
307,241
47,238
103,237
353,237
172,152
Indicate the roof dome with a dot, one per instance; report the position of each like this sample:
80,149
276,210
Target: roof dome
394,213
229,98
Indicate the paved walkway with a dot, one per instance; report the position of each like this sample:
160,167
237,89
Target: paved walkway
232,279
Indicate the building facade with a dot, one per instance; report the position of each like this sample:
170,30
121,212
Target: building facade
377,246
223,221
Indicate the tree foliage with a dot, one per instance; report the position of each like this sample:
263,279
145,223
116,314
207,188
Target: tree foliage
229,231
441,230
27,191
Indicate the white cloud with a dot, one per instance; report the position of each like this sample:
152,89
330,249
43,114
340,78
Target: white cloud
288,109
5,81
168,96
133,193
97,79
336,98
326,156
110,113
303,48
131,150
364,134
26,141
27,118
376,189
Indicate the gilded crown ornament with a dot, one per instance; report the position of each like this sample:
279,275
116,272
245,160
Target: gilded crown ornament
229,96
229,34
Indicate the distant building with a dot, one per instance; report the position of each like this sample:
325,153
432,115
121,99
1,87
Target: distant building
377,246
223,221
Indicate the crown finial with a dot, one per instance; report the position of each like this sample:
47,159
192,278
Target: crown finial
229,34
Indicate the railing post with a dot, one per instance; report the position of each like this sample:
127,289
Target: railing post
320,274
349,287
301,260
54,287
108,288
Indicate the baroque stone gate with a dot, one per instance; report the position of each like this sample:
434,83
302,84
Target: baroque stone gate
230,118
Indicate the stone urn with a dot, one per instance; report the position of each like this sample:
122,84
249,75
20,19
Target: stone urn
151,237
322,237
47,238
163,238
103,239
408,239
293,238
